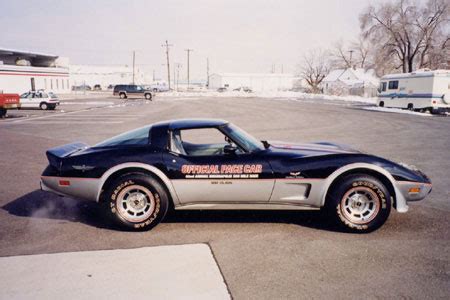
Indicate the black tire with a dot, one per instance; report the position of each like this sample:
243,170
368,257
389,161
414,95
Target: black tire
148,96
410,106
44,106
136,201
359,203
381,103
122,96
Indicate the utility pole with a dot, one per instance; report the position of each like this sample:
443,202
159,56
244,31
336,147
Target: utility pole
188,52
207,72
178,65
134,60
351,54
167,45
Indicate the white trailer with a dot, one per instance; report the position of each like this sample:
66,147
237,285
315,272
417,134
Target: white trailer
421,90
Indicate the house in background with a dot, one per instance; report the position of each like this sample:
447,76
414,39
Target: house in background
351,81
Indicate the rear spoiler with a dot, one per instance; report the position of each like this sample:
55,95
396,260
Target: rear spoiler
55,155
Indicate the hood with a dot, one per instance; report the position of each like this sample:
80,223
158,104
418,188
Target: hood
312,149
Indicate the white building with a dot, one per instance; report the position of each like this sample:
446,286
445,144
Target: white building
106,75
22,71
256,82
351,82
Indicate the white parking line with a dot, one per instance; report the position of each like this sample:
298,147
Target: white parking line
46,116
81,122
165,272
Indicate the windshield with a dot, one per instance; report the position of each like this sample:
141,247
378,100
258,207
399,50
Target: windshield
242,138
138,136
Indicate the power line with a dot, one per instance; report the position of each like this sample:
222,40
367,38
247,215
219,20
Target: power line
167,45
188,52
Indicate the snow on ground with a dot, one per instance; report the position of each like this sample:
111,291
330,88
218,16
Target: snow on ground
266,94
397,110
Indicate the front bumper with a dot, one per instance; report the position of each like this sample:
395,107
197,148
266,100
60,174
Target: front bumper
407,191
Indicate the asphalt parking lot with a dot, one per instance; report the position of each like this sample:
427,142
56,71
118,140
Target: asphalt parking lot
262,255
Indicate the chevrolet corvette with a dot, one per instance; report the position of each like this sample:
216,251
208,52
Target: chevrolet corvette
209,164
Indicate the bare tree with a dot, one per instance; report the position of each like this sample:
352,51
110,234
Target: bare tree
341,55
357,54
402,30
315,66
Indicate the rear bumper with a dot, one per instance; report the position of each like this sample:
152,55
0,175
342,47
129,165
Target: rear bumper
10,106
83,188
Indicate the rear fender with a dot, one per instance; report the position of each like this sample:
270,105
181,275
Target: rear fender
157,172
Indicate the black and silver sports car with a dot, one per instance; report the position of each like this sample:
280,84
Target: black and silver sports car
213,164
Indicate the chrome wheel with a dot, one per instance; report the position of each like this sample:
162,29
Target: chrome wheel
360,205
135,203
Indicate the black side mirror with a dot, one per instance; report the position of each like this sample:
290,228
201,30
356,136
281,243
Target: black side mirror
229,149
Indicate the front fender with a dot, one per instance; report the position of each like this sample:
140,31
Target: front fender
401,204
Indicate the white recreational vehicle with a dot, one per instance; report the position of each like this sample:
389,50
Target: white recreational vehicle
421,90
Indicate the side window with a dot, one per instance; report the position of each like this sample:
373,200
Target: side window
383,86
393,85
198,142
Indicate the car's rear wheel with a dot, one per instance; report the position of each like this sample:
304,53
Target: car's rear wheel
136,201
381,103
148,96
359,203
43,106
122,96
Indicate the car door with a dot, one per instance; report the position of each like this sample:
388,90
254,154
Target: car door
28,100
205,174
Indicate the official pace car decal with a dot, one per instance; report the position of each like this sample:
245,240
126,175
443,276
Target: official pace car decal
221,171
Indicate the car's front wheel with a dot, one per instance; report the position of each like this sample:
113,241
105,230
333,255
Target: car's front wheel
136,201
360,203
148,96
122,96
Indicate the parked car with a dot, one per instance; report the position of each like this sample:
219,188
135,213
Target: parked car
222,89
420,90
158,88
97,87
83,87
212,164
8,101
243,89
39,99
125,91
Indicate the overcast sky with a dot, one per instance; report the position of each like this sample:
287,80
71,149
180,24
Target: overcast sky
236,35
